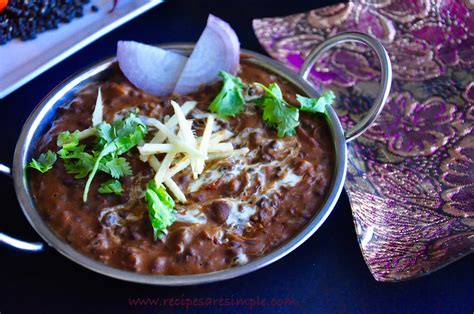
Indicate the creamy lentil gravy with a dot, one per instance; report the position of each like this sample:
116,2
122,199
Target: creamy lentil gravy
239,209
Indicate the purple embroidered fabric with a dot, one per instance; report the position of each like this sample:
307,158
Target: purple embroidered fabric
411,176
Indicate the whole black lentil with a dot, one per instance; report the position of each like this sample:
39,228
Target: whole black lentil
24,19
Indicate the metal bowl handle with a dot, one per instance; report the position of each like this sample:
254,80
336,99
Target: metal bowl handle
12,242
385,79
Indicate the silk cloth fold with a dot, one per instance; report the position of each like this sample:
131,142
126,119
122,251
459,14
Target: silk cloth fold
411,176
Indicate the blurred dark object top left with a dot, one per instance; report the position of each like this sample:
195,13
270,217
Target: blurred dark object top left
24,19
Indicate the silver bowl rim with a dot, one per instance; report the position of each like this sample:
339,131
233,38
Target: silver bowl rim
39,224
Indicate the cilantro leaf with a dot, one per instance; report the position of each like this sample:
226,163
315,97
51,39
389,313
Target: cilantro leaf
230,100
68,140
160,209
123,135
127,133
77,161
116,167
112,141
316,105
277,112
44,163
111,186
105,133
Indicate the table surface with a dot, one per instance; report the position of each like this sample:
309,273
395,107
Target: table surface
326,274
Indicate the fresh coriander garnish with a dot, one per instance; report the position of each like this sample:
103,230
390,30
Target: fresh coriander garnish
285,117
111,186
44,163
67,139
276,111
316,105
115,140
230,100
77,161
117,167
160,209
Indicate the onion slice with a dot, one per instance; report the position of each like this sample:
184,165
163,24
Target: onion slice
152,69
217,49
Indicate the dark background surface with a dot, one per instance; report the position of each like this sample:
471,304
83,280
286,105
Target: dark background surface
326,274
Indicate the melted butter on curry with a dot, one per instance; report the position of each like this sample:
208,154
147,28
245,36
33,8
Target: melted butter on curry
240,207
